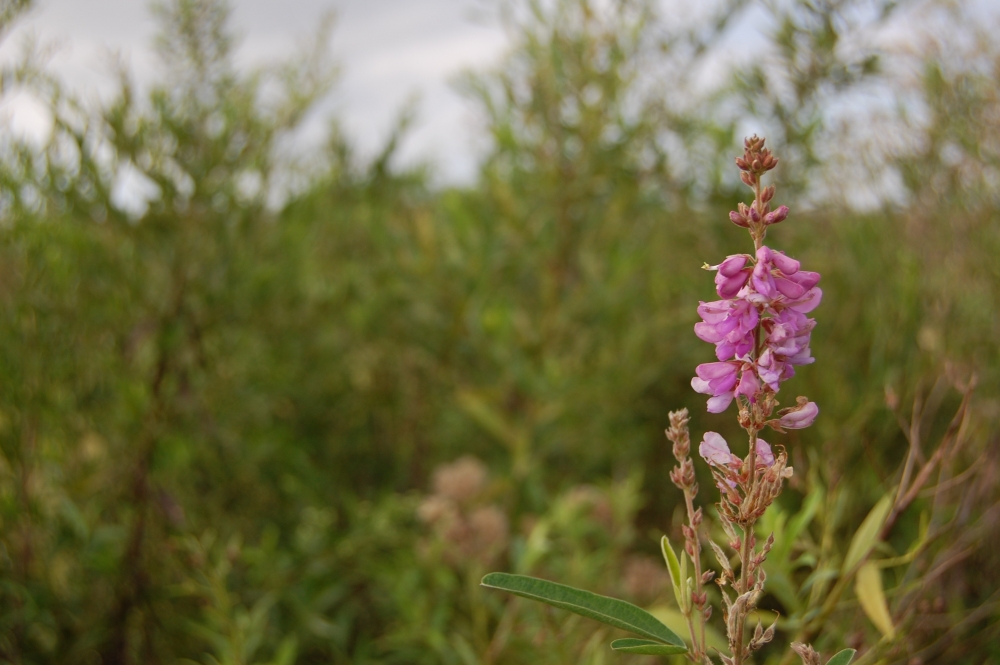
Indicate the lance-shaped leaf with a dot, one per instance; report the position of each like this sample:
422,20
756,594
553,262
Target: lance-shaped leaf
611,611
673,565
842,657
871,595
646,647
678,575
866,536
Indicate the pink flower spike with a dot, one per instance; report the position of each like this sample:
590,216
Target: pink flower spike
800,416
716,451
765,457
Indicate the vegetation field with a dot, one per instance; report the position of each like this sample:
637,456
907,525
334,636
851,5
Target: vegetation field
297,405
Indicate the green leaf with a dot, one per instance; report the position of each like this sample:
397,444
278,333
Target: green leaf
646,647
611,611
871,595
842,657
867,534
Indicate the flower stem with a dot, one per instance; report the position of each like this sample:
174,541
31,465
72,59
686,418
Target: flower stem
746,552
698,641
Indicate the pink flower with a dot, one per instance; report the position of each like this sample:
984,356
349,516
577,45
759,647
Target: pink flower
732,275
723,381
785,264
772,369
729,325
761,278
777,274
733,265
719,380
716,451
788,332
807,302
765,457
749,386
799,416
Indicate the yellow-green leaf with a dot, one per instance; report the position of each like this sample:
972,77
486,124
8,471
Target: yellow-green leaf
871,595
867,534
673,565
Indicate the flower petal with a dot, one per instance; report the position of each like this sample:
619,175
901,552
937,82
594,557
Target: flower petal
720,403
764,455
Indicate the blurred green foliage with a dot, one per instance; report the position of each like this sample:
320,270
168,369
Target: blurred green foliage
221,415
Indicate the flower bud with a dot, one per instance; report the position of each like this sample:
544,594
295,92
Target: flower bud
738,219
776,216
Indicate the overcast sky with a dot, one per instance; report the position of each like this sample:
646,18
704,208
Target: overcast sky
388,51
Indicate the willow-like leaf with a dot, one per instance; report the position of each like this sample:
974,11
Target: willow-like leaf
611,611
